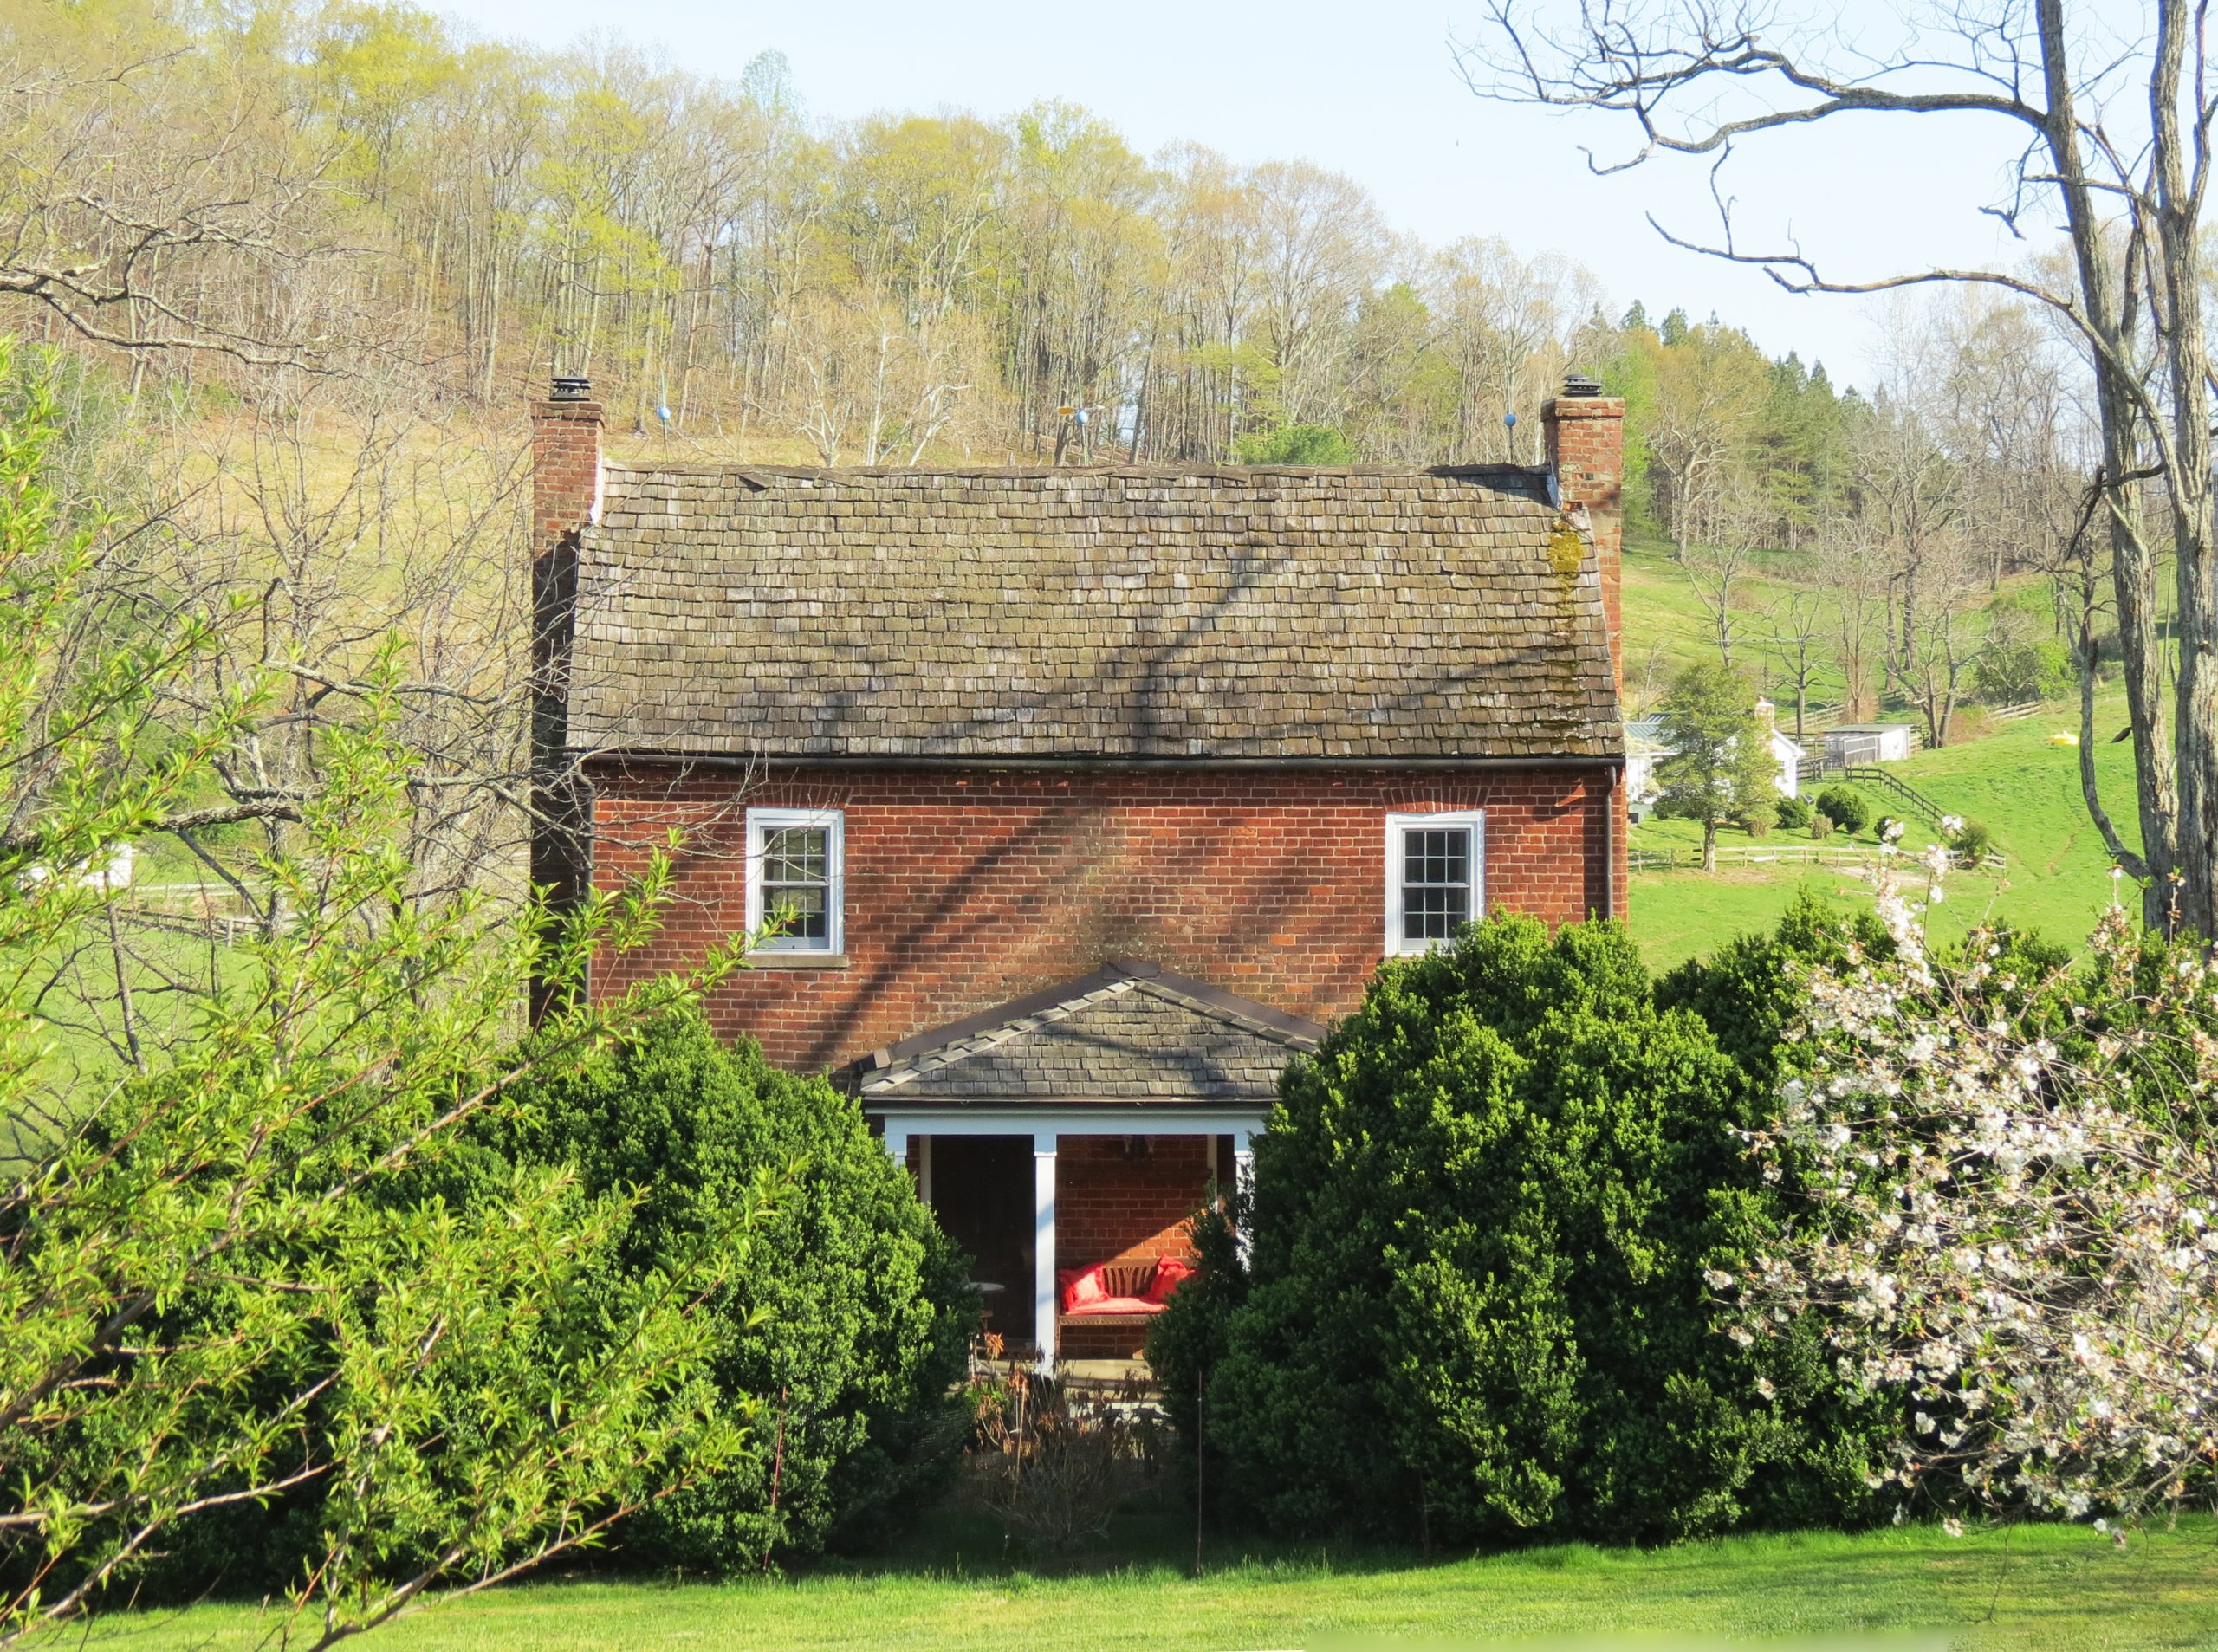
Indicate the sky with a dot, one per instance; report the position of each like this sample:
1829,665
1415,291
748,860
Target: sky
1374,92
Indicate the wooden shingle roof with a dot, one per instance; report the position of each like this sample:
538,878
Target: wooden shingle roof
1129,1031
1098,613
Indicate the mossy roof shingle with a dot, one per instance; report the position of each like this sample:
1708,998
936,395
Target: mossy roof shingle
1134,615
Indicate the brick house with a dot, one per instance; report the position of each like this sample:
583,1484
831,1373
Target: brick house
1084,798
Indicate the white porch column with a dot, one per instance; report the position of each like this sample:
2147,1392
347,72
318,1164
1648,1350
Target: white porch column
1244,1177
924,1168
1044,1300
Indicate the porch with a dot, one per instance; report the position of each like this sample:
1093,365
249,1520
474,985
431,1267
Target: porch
1031,1197
1077,1129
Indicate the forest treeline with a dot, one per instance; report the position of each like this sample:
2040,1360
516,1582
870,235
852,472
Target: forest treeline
292,192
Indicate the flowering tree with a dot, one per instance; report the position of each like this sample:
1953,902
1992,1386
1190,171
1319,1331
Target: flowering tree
2014,1211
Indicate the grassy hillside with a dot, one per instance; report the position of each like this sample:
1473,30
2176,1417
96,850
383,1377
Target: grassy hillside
2027,793
2024,789
1667,627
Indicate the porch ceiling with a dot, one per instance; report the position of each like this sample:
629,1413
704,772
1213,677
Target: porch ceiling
1129,1033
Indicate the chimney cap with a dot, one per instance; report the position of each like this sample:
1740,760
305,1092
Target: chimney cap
571,387
1578,384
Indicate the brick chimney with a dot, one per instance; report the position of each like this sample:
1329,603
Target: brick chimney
565,498
565,464
1585,433
1587,458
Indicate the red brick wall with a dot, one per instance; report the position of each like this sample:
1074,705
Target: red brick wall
968,888
1113,1207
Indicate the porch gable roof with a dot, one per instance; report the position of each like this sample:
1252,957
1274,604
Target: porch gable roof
1130,1031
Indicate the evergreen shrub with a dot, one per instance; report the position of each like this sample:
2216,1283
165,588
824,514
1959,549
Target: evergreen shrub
1795,813
2013,670
1301,444
1846,807
1477,1303
845,1322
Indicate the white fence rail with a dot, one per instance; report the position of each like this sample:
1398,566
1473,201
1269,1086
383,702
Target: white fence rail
1688,858
214,910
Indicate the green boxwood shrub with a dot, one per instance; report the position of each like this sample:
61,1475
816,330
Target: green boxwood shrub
1795,813
1475,1305
1846,807
862,1303
847,1322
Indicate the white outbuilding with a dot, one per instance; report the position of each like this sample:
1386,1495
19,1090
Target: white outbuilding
1850,743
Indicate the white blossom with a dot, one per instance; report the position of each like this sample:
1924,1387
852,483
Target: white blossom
2010,1237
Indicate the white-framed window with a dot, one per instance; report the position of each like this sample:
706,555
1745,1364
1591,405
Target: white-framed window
795,876
1435,877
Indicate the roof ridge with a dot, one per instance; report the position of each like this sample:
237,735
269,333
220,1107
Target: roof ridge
1229,1006
749,470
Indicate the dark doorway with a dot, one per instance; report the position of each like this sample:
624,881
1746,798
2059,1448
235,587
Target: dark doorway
982,1193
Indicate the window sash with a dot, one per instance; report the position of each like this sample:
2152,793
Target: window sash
1435,874
1436,881
795,866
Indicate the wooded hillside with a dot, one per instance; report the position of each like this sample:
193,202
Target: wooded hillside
356,209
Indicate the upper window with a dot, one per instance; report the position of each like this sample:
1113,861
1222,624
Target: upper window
794,876
1434,878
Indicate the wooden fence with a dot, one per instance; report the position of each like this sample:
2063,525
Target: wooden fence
1892,785
1851,857
216,910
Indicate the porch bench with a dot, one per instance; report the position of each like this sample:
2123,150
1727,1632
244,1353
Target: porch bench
1124,1303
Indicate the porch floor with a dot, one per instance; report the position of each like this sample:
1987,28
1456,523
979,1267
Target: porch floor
1110,1372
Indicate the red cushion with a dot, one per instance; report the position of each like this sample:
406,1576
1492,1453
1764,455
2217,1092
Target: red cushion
1115,1304
1170,1272
1081,1289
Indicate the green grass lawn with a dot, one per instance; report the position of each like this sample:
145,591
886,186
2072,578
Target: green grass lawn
2025,790
2037,1587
